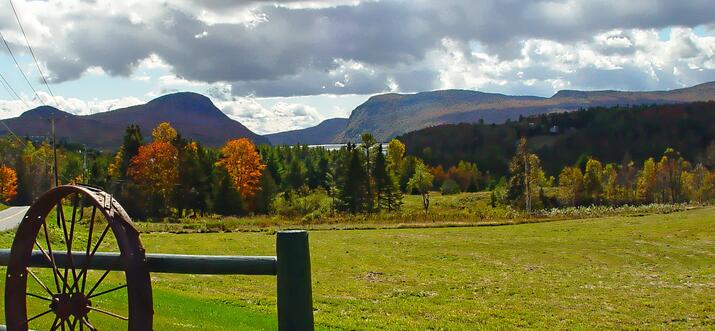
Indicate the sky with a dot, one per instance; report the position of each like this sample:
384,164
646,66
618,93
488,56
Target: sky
283,65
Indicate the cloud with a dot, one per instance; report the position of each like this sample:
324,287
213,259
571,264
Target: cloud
289,48
282,116
76,106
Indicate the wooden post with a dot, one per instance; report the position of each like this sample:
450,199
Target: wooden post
295,299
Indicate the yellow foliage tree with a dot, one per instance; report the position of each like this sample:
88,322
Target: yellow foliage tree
164,132
8,183
243,164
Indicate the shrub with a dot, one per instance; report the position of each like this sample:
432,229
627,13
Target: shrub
450,187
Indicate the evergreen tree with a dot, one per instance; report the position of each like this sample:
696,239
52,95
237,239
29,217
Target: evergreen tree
354,191
368,143
388,192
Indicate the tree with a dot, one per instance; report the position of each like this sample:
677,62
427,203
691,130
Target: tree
386,188
156,169
710,155
671,167
592,180
611,190
527,178
243,164
421,182
571,185
164,132
265,196
395,154
8,184
466,175
647,181
703,184
449,187
368,143
353,183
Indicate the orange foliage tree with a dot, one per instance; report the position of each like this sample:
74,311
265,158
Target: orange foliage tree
156,166
8,183
243,163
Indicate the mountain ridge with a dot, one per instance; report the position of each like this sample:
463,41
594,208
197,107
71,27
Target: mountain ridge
409,112
192,114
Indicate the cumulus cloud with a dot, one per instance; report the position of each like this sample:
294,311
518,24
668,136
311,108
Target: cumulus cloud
241,51
282,116
76,106
284,48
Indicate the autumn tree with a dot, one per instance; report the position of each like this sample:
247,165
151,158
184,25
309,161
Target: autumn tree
527,178
466,175
611,190
421,182
395,154
592,185
8,184
571,185
671,167
164,132
156,169
647,181
243,164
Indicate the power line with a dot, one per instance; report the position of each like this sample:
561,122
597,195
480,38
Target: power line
20,68
17,18
12,91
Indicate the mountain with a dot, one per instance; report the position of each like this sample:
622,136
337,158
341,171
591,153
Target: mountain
389,115
322,133
193,115
616,134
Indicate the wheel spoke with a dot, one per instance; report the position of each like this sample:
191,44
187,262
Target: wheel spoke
107,291
98,282
39,315
39,281
54,267
38,296
50,255
63,225
69,236
85,321
108,313
54,323
83,273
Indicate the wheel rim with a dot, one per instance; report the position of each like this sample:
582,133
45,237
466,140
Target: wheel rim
71,297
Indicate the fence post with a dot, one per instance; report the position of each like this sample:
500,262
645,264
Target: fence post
295,298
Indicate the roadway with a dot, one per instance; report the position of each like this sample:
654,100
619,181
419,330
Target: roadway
10,218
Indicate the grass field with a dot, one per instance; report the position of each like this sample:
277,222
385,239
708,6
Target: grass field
649,272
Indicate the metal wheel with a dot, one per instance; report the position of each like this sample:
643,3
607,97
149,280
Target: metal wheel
69,296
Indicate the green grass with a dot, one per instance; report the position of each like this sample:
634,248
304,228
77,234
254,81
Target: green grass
2,207
649,272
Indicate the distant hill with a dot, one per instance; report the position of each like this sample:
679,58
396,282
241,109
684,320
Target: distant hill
193,115
389,115
322,133
560,139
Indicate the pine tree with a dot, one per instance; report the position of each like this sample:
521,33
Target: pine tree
388,192
368,143
353,192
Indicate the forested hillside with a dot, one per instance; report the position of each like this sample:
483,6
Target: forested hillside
560,139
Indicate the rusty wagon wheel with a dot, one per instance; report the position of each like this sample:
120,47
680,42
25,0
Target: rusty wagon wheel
68,296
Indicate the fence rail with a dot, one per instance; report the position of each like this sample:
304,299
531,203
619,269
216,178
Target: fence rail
291,266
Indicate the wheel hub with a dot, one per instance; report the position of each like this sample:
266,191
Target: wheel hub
65,305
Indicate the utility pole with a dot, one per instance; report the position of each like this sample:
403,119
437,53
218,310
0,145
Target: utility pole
54,152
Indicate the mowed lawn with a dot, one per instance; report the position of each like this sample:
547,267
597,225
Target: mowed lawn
649,272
